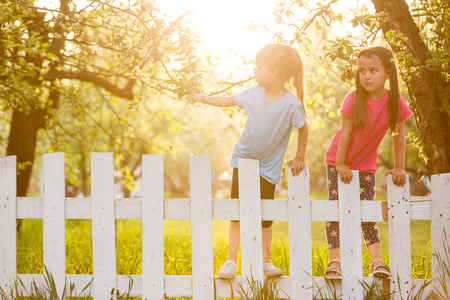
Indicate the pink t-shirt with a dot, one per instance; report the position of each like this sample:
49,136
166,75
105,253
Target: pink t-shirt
362,152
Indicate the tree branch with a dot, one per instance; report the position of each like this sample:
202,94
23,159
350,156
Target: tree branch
125,92
400,19
231,84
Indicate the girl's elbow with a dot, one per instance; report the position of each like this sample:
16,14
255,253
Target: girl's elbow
230,101
304,128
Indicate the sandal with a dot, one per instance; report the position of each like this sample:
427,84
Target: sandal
379,271
333,269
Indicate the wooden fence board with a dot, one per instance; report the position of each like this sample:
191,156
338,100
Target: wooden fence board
350,233
153,208
103,225
440,230
399,239
8,238
54,221
153,227
201,228
223,209
299,215
250,216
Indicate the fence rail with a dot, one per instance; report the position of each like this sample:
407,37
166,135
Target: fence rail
152,208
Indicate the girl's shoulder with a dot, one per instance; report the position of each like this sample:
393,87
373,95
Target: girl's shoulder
292,99
349,99
254,92
400,99
256,89
351,96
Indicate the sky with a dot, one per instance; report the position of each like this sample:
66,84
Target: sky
223,26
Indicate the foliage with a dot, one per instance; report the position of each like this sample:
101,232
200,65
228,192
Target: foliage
65,69
422,56
106,45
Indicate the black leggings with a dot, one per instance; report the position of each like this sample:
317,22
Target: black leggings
267,190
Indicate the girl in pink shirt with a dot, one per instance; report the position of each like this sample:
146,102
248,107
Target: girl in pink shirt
367,114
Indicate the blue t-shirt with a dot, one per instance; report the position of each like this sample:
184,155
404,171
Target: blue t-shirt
267,130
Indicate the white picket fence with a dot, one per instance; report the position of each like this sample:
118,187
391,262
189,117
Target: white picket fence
103,208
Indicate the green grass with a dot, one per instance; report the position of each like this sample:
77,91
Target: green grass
178,247
178,250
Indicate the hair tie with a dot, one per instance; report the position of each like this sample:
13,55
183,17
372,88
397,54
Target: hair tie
392,60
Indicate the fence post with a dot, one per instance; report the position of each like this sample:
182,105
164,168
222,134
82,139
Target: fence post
299,217
103,225
250,220
201,228
152,227
54,218
350,238
440,229
399,238
8,237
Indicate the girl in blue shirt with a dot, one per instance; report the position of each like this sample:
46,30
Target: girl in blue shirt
272,111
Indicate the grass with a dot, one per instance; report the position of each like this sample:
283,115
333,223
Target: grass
178,248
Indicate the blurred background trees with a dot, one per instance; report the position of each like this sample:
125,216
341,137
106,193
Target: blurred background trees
61,64
109,76
418,34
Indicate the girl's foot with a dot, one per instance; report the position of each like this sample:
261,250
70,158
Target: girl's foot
228,270
333,270
378,269
272,271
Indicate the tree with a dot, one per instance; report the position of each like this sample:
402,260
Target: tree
426,62
121,49
417,33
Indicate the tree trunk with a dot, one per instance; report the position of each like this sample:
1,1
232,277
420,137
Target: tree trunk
434,125
22,143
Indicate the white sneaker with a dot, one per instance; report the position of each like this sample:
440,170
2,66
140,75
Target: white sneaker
228,270
272,271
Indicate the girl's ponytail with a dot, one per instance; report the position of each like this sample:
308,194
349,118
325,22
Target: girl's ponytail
394,95
298,82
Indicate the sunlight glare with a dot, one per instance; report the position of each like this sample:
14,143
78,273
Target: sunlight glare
224,27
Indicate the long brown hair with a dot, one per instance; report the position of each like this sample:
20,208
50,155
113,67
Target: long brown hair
289,62
387,59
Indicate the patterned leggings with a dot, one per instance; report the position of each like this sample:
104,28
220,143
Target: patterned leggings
367,192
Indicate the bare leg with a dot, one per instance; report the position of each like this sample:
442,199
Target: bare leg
233,241
334,254
266,243
375,252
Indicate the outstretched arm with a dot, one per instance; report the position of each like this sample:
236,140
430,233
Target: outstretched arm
298,163
213,100
398,173
344,142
